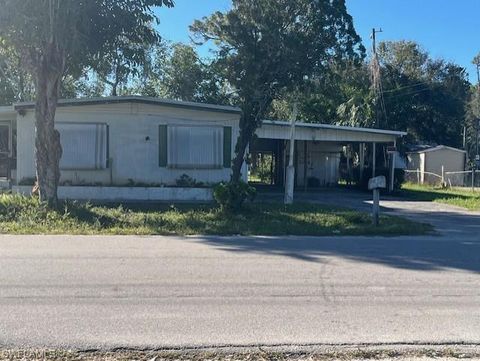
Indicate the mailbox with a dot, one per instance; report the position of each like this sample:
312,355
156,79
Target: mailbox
377,183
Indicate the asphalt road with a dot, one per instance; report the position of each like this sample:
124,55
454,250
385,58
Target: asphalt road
153,292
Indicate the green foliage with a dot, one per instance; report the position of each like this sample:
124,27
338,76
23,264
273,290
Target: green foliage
188,182
25,215
82,30
472,118
472,122
183,73
424,96
94,44
177,72
12,204
116,67
15,83
261,168
231,196
340,94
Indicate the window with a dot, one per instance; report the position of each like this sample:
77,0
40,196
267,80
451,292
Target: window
85,146
5,162
4,139
195,147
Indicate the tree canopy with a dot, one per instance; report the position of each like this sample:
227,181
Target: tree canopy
58,37
424,96
266,47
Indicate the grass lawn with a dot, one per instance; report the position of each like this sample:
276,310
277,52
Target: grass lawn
25,215
455,196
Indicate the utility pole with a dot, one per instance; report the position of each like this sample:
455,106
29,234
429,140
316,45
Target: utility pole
374,39
476,126
478,77
376,78
290,181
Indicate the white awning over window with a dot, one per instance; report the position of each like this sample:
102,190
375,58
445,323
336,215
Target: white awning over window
195,147
84,146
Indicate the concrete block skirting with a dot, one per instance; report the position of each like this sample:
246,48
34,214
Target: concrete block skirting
119,194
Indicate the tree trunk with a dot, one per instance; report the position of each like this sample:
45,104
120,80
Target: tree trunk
248,126
114,92
239,159
253,112
48,149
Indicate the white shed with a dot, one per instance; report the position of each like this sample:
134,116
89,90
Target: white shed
432,163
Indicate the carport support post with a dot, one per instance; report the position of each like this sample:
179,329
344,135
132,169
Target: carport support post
374,160
290,181
362,159
473,179
305,157
392,177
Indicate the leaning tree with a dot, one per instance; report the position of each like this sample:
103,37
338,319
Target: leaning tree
268,46
56,37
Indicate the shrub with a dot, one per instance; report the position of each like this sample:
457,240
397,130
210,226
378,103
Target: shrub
232,195
185,181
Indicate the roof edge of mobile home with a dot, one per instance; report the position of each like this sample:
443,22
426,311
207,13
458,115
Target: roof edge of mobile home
434,148
336,127
136,99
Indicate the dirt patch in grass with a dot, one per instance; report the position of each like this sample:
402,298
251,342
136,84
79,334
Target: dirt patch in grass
25,215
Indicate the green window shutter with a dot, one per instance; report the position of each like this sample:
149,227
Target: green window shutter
108,147
227,147
162,146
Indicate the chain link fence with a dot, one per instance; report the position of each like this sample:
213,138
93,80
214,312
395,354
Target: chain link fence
470,178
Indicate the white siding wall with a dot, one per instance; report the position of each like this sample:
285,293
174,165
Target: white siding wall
134,157
323,162
451,160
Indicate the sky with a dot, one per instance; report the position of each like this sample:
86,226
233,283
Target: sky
449,29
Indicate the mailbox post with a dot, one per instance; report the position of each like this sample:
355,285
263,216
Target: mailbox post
375,184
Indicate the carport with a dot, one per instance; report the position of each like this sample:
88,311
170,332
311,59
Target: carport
320,149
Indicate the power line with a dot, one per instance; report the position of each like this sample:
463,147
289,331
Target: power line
409,93
406,87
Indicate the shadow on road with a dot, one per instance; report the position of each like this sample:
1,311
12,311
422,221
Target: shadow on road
415,253
457,245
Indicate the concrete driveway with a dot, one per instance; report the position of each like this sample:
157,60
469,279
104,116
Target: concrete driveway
168,292
447,219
